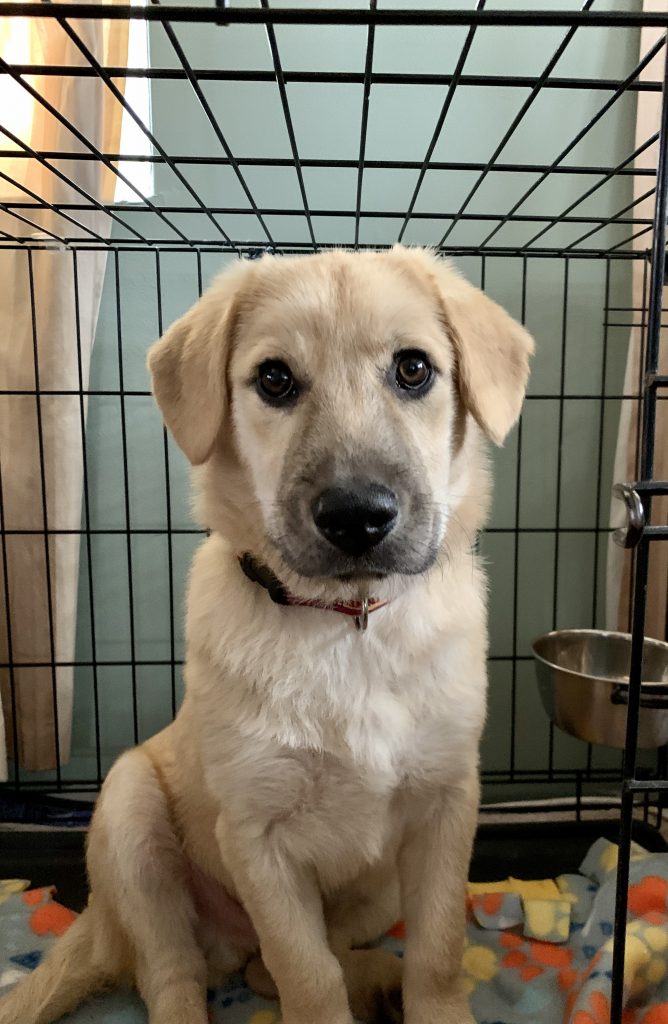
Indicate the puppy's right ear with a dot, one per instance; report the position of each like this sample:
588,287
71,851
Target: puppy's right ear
188,366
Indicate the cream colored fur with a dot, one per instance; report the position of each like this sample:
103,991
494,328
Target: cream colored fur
328,779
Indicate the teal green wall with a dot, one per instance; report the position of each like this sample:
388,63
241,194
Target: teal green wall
401,120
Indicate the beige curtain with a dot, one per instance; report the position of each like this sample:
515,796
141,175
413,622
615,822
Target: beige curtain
41,436
619,561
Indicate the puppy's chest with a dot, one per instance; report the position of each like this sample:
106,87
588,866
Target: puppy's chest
312,807
343,821
366,701
319,747
381,712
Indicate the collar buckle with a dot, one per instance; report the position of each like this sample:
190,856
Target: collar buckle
362,620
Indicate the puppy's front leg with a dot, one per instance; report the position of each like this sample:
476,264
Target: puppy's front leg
434,866
285,905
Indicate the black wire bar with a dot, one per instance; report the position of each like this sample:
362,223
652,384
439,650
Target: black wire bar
340,16
95,152
647,59
118,95
336,77
517,120
594,188
213,122
646,488
372,18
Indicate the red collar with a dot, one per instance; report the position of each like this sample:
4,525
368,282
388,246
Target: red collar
262,574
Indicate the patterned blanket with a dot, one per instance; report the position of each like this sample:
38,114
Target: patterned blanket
537,952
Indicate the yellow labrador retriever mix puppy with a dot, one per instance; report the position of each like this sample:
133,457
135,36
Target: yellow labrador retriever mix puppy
321,778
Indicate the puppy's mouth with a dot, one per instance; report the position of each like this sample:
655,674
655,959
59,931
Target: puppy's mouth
315,561
359,528
360,577
314,558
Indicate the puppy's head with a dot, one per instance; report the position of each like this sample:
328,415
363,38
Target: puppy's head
331,399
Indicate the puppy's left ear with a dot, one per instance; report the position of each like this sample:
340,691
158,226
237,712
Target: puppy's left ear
188,366
492,351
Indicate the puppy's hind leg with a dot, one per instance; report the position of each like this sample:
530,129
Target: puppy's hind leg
82,962
135,856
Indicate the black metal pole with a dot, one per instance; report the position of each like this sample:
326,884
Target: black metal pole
642,562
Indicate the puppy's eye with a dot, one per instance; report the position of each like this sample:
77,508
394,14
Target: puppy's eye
414,372
275,383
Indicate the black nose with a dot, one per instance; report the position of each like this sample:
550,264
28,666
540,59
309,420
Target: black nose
357,517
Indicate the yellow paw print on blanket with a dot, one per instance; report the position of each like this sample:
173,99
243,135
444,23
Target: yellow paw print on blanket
539,889
547,920
547,910
603,856
656,938
265,1017
480,964
646,961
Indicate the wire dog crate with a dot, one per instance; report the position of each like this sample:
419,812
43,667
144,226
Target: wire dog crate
300,129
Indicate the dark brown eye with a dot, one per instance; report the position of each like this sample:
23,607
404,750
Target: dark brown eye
275,383
414,371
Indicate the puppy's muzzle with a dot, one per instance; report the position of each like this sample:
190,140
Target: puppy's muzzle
357,517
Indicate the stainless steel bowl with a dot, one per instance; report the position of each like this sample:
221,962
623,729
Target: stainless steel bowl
583,679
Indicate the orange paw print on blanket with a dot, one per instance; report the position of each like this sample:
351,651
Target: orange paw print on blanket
531,959
47,918
599,1012
657,1015
649,899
